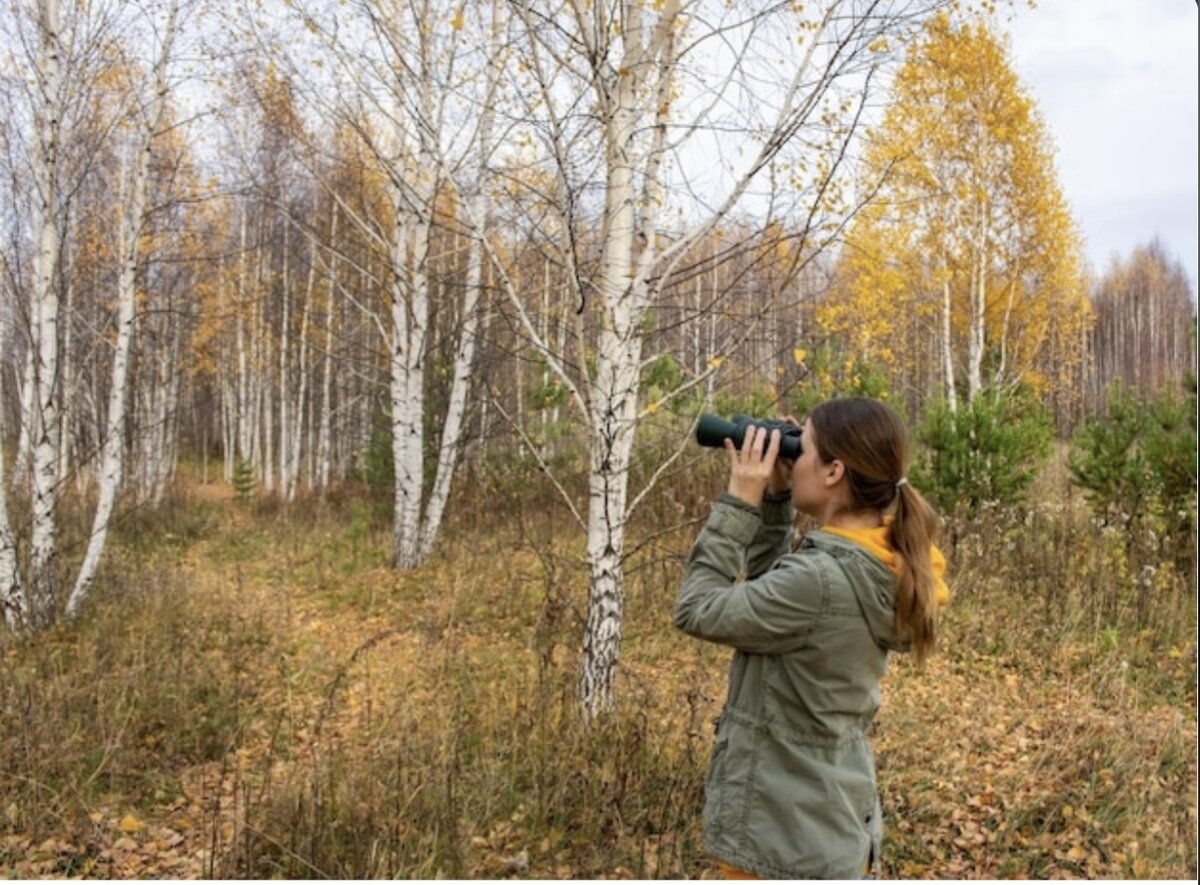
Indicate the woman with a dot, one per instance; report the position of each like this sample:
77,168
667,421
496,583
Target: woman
791,788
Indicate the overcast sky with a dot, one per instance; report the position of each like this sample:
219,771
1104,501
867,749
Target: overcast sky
1116,82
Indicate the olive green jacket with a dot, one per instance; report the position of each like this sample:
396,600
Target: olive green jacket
791,788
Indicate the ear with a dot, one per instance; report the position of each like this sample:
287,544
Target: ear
835,471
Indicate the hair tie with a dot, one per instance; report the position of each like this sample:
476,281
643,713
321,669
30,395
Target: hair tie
902,481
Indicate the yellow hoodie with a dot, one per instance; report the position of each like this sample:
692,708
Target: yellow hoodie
875,541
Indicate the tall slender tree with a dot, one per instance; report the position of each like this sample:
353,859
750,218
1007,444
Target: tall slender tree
148,121
970,237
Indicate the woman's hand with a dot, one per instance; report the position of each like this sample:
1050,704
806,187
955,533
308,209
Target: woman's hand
781,476
751,469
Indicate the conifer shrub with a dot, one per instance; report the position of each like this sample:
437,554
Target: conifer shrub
1106,460
1136,463
243,479
378,468
1170,452
988,451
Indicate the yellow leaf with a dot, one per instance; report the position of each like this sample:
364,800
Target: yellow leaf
798,355
651,408
95,817
714,362
457,23
130,824
1068,812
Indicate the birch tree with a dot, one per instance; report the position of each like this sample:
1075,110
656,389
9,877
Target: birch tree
414,83
133,216
46,221
30,607
80,81
626,102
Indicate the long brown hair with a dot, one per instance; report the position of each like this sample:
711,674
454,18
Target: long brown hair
870,440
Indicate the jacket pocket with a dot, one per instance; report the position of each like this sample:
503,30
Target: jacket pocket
713,792
725,788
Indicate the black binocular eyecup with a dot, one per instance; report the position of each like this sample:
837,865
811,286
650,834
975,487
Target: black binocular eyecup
713,430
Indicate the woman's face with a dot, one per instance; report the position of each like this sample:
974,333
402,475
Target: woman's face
811,489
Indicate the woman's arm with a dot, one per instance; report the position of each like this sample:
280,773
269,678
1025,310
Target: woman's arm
769,614
774,536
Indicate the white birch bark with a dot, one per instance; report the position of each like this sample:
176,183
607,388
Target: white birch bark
226,390
975,339
13,599
947,344
324,453
999,377
48,122
263,411
410,317
464,357
406,421
242,414
171,379
67,399
292,479
644,73
415,190
285,333
27,417
409,58
133,217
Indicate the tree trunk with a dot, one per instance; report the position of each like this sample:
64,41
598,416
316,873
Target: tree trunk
43,582
242,414
947,343
976,338
409,319
67,399
13,600
285,333
464,357
27,417
324,449
614,408
293,457
410,324
113,445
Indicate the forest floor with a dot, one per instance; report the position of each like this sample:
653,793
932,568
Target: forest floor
258,695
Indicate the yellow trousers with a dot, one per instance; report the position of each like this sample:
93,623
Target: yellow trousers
728,872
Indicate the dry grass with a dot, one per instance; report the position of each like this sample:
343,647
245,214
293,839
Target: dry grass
257,695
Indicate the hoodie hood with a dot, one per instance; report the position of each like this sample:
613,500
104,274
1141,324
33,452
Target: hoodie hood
871,565
876,542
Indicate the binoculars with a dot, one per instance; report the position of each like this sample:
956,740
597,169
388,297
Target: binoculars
713,430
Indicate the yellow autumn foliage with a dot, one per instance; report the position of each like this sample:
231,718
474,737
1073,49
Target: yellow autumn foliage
969,207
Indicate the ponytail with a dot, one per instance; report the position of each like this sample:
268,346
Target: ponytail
870,439
912,534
